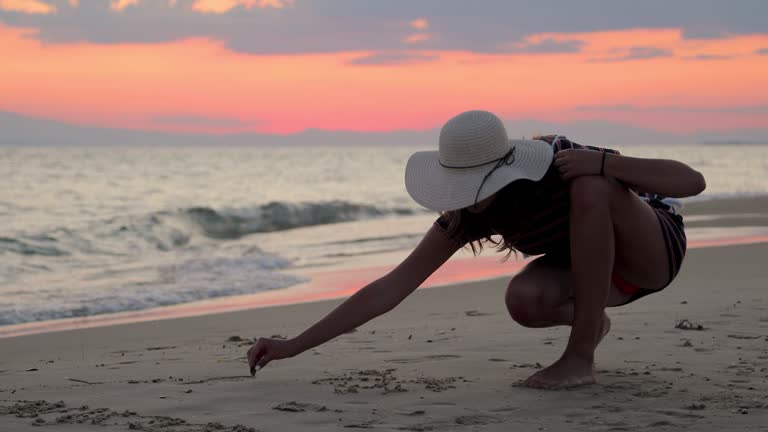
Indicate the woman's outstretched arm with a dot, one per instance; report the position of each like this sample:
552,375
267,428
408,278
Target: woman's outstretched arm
661,176
376,298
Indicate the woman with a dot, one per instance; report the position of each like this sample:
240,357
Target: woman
599,220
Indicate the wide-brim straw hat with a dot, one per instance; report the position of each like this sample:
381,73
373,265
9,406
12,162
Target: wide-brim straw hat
475,160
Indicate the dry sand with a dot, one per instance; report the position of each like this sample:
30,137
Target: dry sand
445,359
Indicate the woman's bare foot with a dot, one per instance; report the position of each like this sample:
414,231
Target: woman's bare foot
569,371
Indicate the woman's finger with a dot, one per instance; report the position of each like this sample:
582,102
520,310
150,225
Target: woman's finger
255,352
256,360
251,359
263,361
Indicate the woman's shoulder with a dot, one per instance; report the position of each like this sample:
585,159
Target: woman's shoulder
557,141
547,138
562,142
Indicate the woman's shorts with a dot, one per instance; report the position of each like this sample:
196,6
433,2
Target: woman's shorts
673,229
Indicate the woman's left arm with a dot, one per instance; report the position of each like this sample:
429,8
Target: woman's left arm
666,177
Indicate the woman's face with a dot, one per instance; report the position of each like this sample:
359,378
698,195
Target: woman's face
482,205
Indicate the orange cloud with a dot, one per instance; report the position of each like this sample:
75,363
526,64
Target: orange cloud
214,6
27,6
417,37
223,6
131,84
74,3
120,5
419,24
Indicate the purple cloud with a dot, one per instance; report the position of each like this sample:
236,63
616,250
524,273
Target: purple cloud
351,25
709,57
637,53
395,58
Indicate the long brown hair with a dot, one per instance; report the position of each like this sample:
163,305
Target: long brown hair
507,216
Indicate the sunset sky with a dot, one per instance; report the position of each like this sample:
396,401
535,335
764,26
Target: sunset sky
284,66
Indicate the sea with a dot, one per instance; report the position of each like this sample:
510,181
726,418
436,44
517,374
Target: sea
99,229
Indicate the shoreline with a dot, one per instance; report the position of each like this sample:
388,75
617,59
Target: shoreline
722,216
442,360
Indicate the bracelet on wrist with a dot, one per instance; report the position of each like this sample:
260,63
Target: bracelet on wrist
602,165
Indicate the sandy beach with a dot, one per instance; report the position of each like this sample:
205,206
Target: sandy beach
694,357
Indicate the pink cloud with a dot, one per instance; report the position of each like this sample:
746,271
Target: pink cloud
27,6
120,5
223,6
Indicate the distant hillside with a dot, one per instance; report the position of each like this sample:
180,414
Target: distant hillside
17,129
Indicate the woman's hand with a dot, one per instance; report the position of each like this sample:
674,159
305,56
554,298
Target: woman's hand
268,349
578,162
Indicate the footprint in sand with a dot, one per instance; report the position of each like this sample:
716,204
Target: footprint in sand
47,413
294,406
465,420
437,384
160,348
411,413
442,356
474,313
504,409
477,419
385,381
425,358
405,360
363,379
679,413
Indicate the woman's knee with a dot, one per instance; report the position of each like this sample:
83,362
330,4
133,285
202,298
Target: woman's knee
523,302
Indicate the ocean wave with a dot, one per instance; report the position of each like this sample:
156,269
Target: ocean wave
188,281
278,216
22,247
167,230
